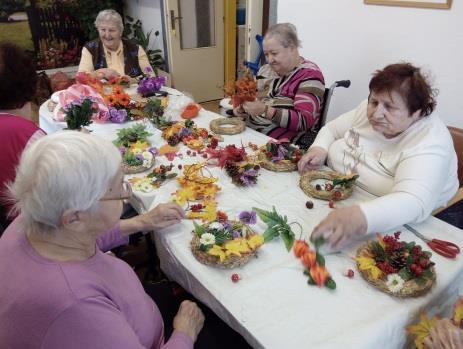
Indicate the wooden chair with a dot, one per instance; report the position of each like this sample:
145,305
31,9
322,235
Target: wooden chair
457,136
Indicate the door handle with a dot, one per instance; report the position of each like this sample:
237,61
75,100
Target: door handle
173,19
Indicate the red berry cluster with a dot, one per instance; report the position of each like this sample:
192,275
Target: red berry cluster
196,207
393,243
213,143
386,267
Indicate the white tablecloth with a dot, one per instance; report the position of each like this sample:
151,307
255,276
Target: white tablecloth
272,305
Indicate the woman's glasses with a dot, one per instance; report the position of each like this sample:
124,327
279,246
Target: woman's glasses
125,194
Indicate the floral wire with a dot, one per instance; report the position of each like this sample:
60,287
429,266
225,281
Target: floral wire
300,227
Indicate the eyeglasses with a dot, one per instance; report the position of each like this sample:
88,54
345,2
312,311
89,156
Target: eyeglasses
125,194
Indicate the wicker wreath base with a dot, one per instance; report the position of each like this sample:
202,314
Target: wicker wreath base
411,287
213,261
309,189
218,126
280,166
127,169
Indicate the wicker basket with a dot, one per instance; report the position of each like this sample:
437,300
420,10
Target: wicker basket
217,126
309,189
127,169
214,261
411,287
279,166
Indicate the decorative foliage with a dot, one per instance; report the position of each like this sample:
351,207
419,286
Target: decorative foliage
282,150
136,133
154,179
230,153
79,113
276,226
242,174
188,133
422,329
242,90
154,111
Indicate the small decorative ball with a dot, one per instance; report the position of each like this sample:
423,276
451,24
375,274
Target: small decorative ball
309,205
235,278
349,273
331,204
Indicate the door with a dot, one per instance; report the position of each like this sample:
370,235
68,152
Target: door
254,12
195,41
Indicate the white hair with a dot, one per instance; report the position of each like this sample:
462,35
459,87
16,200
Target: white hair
109,16
286,33
67,170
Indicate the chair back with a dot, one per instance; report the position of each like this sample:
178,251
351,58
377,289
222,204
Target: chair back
457,136
327,99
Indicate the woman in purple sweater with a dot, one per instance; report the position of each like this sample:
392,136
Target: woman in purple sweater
291,90
59,290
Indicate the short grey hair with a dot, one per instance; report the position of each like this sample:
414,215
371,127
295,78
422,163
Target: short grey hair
67,170
109,16
286,33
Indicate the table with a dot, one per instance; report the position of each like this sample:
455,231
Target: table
272,306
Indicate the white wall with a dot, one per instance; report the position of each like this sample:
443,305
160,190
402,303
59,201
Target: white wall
149,13
349,40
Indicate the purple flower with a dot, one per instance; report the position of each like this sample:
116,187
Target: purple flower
249,177
117,116
148,70
184,132
248,217
139,157
153,150
122,150
281,152
236,234
227,225
149,85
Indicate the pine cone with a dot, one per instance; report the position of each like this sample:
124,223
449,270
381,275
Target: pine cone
398,260
232,169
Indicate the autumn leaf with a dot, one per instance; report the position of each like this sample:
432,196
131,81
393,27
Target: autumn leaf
255,241
369,264
458,312
421,330
217,251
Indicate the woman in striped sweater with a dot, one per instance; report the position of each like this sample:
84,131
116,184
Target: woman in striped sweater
290,88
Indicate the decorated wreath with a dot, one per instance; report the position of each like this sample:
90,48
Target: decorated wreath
225,244
399,268
280,156
337,186
187,132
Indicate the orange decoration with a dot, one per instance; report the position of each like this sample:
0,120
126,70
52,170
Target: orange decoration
242,90
300,248
191,111
309,259
166,148
319,274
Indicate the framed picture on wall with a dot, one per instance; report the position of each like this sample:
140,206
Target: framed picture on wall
442,4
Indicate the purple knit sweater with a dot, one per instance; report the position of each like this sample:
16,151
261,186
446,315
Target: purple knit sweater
98,303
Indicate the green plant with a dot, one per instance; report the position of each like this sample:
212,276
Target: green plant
125,136
79,113
133,30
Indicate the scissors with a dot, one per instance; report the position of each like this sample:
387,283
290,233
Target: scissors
444,248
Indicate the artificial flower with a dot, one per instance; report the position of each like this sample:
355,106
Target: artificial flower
319,274
309,259
217,251
222,217
422,329
117,116
255,241
248,217
153,150
394,283
207,239
367,263
216,225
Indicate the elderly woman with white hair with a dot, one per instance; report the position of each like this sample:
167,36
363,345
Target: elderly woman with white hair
110,55
59,290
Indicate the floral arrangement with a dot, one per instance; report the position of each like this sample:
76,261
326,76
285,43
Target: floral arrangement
154,111
242,174
226,239
422,329
149,85
123,80
90,80
134,134
117,98
154,179
195,186
229,153
276,151
396,262
187,132
137,155
79,113
314,263
242,90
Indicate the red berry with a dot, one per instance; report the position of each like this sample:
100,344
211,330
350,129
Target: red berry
331,204
413,267
204,155
423,263
188,152
179,166
418,271
194,153
349,273
235,278
337,195
397,234
318,187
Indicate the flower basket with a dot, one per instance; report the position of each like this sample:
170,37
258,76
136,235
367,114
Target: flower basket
410,286
339,187
242,247
128,169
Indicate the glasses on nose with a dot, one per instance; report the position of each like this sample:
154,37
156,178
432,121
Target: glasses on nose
125,194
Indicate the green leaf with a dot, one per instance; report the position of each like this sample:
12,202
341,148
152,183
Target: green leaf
427,273
405,274
205,248
320,259
331,284
288,238
420,280
311,281
270,234
199,229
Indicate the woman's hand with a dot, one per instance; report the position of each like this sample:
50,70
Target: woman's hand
239,111
444,335
189,319
314,158
341,225
254,108
163,215
106,73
